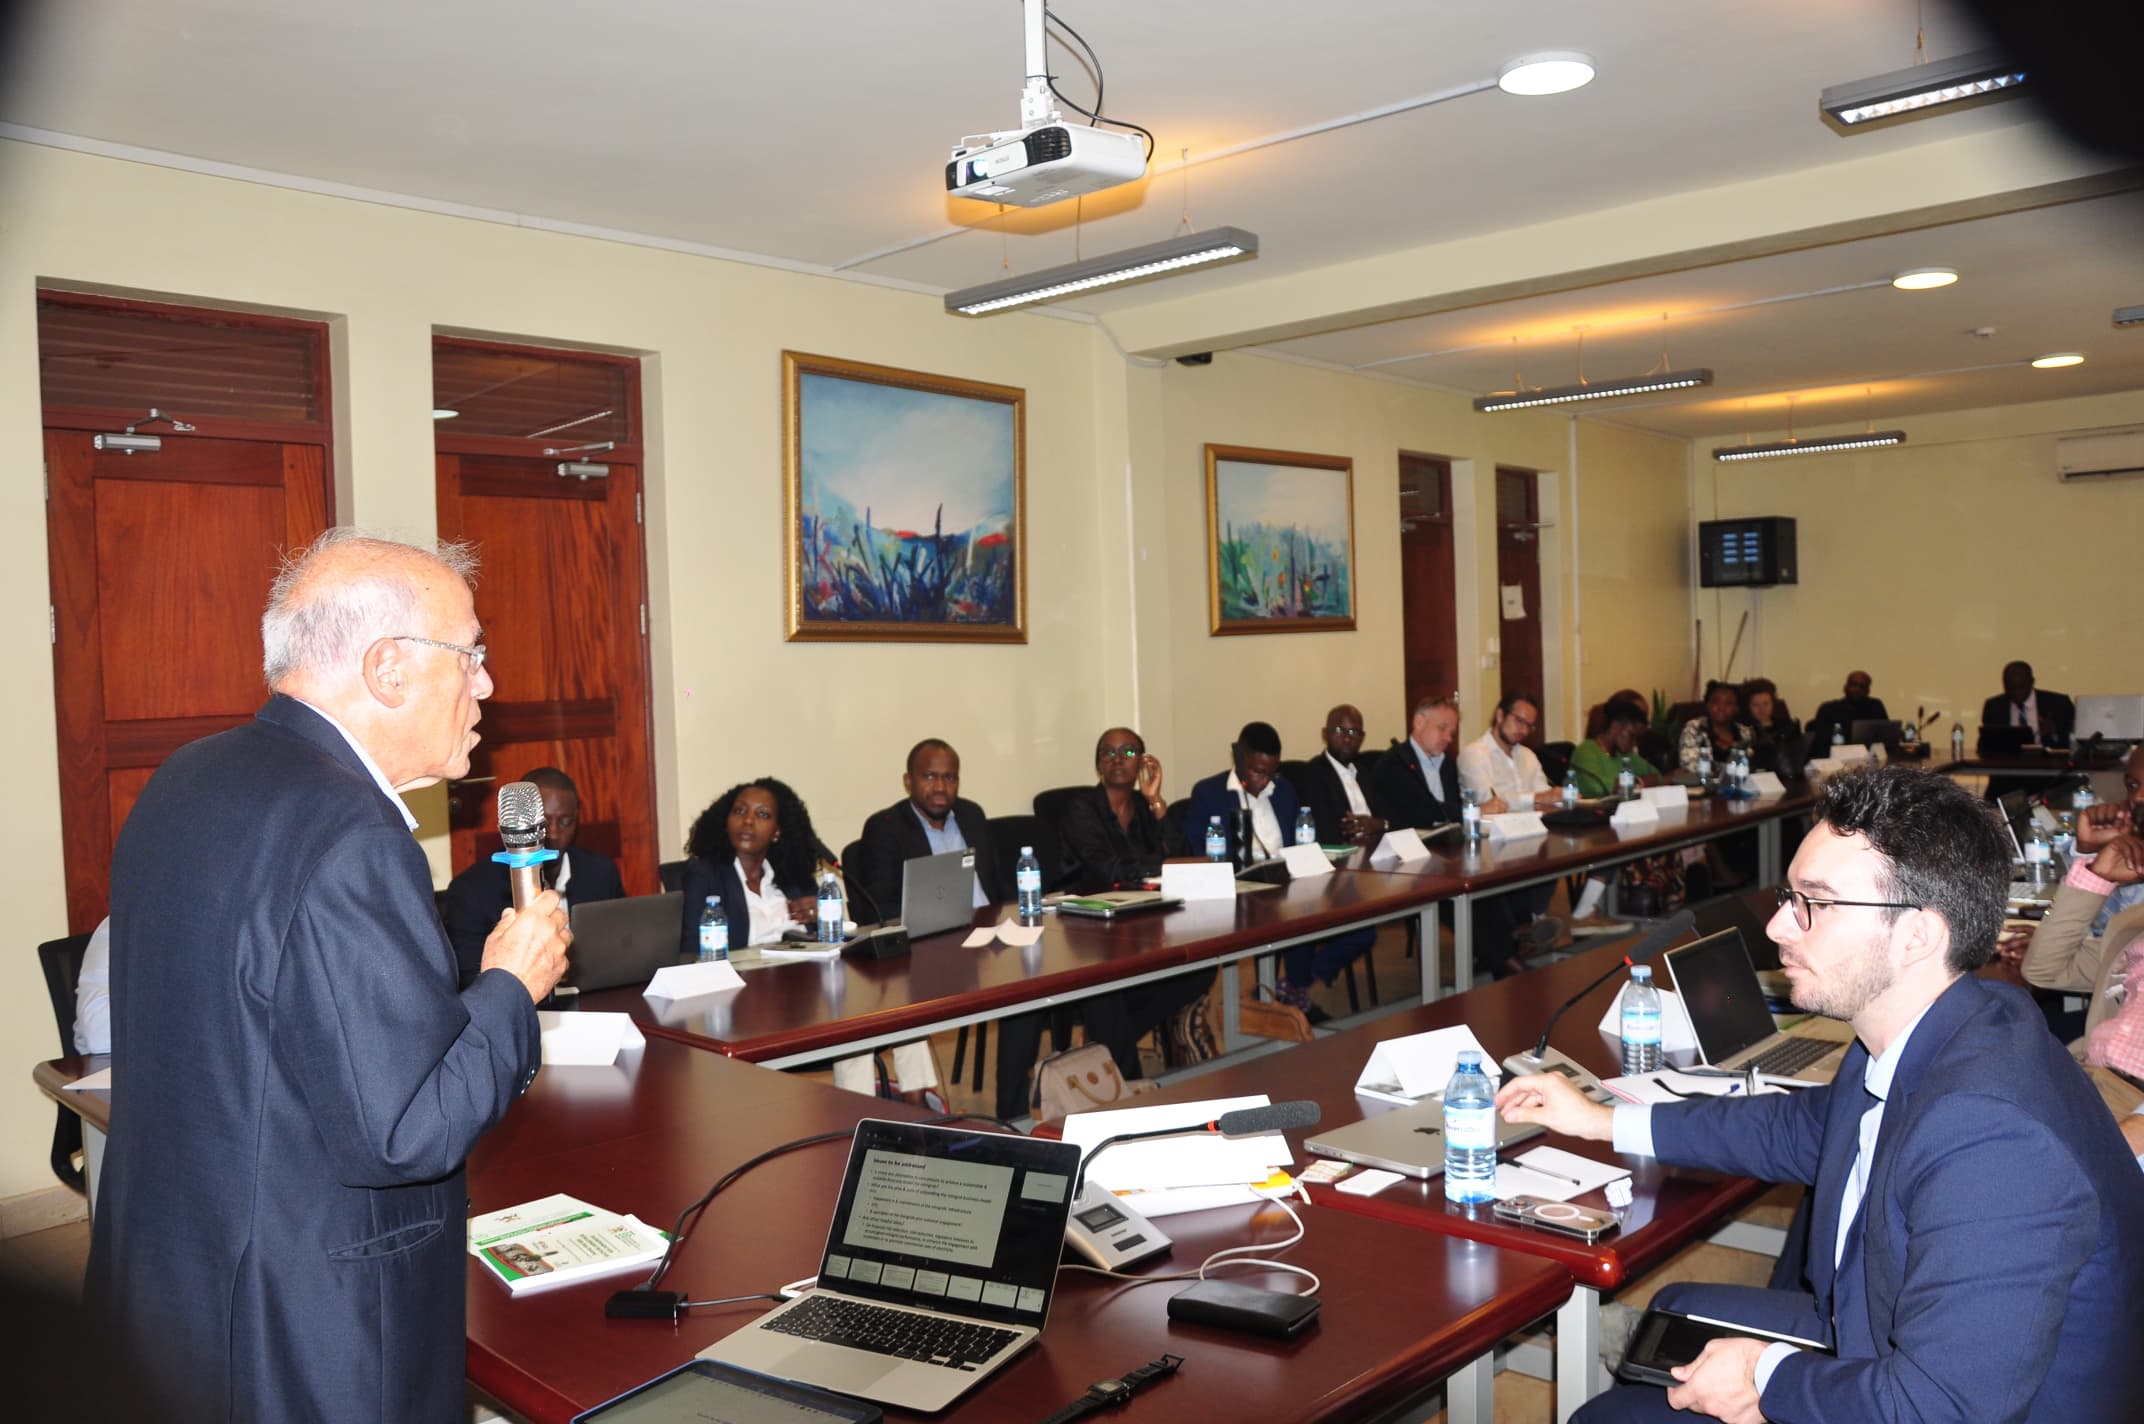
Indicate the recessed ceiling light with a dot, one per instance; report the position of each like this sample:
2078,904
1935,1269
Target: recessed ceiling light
1557,72
1922,279
2058,358
442,413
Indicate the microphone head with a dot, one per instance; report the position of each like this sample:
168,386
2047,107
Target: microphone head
1662,935
521,820
1245,1121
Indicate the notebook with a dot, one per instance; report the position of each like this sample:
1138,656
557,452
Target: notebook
1408,1140
1112,904
1734,1030
622,941
938,1267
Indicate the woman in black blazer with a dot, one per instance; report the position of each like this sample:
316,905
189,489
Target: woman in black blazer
753,830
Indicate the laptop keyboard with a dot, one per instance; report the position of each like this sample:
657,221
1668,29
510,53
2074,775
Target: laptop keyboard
1785,1059
903,1334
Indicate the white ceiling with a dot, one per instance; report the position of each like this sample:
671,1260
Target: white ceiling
815,131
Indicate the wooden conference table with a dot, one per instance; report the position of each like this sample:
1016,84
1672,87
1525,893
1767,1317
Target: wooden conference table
1671,1207
807,1012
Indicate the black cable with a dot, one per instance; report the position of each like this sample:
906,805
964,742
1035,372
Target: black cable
1100,86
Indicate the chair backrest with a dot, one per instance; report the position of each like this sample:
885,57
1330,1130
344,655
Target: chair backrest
1176,819
1012,832
61,960
672,875
1052,804
1556,760
1366,760
1292,772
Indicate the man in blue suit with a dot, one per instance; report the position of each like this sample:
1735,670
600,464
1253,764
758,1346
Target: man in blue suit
281,1231
1976,1247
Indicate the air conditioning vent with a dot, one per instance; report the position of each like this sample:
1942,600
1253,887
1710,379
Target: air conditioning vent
2101,454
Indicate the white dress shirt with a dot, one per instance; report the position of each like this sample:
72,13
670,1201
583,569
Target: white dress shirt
1265,824
768,907
1350,784
1487,770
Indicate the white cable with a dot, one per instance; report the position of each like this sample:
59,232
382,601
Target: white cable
1229,1256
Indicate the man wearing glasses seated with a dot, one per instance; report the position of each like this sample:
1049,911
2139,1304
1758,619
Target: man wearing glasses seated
1978,1226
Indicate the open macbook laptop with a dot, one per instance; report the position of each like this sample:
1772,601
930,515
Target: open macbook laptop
938,1267
1719,989
1408,1140
938,893
622,941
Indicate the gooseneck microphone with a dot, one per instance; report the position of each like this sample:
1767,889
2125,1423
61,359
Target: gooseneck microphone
1648,945
521,826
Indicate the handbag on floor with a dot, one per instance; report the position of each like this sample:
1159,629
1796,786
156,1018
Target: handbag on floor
1083,1079
1187,1037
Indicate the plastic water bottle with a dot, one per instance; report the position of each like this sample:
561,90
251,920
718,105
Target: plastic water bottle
830,916
1216,839
1470,814
1570,790
1027,881
2084,799
1957,741
1704,763
1306,827
714,931
1626,781
1838,737
2039,859
1641,1022
1469,1132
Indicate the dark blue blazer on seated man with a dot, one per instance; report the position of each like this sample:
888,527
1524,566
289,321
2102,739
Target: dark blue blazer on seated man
1212,797
479,895
1995,1269
280,1233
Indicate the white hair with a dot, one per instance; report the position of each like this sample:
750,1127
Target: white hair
321,625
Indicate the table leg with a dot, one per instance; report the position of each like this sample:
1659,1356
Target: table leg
92,1162
1426,946
1462,944
1470,1394
1769,840
1231,1013
1578,1351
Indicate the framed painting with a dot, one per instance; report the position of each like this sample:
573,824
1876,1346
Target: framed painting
1280,541
905,513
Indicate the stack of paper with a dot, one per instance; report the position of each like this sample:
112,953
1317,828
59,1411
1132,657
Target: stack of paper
1165,1175
560,1240
1554,1175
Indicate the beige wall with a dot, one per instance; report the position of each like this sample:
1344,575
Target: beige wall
1934,563
1116,512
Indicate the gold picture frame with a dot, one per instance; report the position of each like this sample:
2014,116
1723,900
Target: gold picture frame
1280,541
875,460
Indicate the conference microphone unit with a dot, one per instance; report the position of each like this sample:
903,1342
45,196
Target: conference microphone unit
1542,1058
521,826
1109,1233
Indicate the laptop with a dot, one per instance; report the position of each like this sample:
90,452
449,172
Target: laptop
938,1267
622,941
2003,741
1115,904
938,893
1719,989
1735,912
1884,732
1408,1140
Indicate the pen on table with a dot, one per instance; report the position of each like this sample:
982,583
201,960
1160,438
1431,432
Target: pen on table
1554,1176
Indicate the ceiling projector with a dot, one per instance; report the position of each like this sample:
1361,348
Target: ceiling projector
1043,165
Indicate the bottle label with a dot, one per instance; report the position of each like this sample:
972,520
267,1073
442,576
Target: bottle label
1641,1027
1306,833
714,940
1469,1128
1029,881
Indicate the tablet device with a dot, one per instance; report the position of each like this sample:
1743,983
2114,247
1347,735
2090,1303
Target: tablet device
1665,1338
700,1390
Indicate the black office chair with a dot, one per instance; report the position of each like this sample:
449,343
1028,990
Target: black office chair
672,875
1052,804
1292,773
1366,761
1012,832
1556,760
61,960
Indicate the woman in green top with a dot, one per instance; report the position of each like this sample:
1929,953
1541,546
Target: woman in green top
1597,761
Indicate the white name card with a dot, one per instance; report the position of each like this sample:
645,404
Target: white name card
1306,862
1414,1067
684,981
1676,1035
1665,798
1400,847
586,1040
1767,785
1189,880
1635,813
1515,825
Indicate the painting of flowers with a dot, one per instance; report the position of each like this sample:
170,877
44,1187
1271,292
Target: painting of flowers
906,508
1280,541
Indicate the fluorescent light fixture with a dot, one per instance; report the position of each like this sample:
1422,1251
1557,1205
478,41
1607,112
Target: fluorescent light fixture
1983,76
2129,316
1825,445
1595,390
1134,264
1557,72
2055,359
442,413
1924,279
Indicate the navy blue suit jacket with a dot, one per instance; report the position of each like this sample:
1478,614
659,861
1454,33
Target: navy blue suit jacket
281,1230
1212,797
1995,1269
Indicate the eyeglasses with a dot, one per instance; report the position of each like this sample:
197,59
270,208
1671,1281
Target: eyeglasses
1352,733
1805,906
1128,753
475,655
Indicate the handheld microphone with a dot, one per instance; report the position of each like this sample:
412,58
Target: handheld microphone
521,826
1648,945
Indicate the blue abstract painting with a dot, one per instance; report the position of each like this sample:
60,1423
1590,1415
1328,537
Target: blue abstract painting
1280,541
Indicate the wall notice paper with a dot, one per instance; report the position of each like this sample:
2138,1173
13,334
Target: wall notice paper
1207,1159
1190,880
1306,862
1666,798
1010,932
586,1040
1514,825
559,1240
683,981
1513,597
1400,847
1554,1175
1676,1035
1407,1070
1669,1086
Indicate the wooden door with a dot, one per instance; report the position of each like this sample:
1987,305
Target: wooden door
161,564
1428,579
561,593
1518,567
